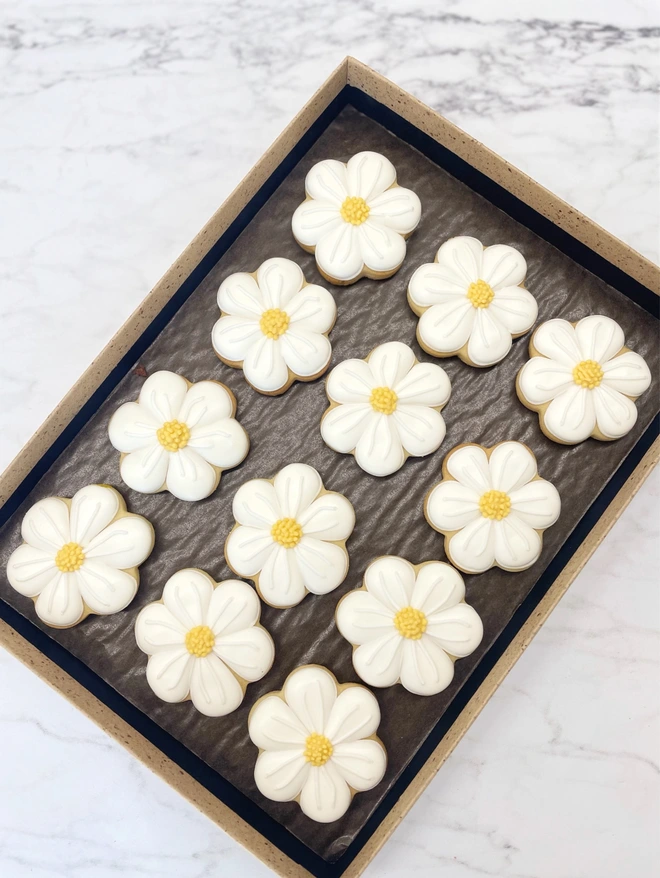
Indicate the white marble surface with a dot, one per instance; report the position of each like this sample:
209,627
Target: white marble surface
124,125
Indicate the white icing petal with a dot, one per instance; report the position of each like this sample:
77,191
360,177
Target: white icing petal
223,444
240,296
390,363
327,181
503,266
206,403
615,413
382,248
280,581
458,630
162,395
256,504
473,547
571,416
354,715
362,764
451,506
313,309
156,629
391,580
446,327
280,774
296,487
29,570
132,427
515,308
426,669
249,653
323,566
313,219
306,353
425,384
169,673
272,725
92,509
378,662
421,429
556,339
325,795
125,543
464,256
599,338
434,283
248,549
264,366
342,426
517,545
399,209
350,382
214,690
311,693
279,280
187,595
189,476
330,517
541,379
538,503
469,466
379,450
490,340
60,603
361,617
233,337
628,374
369,174
145,470
233,607
438,587
339,253
512,465
46,525
104,589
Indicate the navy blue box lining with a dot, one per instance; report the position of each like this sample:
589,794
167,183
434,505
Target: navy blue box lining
168,745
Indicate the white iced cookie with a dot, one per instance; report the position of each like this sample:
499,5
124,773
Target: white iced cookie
290,535
492,507
317,743
471,302
385,408
408,624
582,380
80,556
204,642
178,436
274,326
356,218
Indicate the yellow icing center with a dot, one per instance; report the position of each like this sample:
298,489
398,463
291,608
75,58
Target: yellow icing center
480,294
588,374
410,623
173,435
495,504
287,532
318,749
200,640
354,210
274,322
383,400
70,558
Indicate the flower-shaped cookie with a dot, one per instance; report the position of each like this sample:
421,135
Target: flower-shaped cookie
80,556
317,743
290,535
582,380
274,326
178,437
492,507
471,302
204,642
356,218
385,408
408,624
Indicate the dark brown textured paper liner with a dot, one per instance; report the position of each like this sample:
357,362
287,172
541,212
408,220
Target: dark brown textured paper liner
483,408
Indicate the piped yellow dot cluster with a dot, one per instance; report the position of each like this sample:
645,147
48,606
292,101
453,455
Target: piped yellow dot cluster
495,505
480,294
173,435
70,558
383,400
318,749
287,532
274,322
588,374
200,641
410,623
354,210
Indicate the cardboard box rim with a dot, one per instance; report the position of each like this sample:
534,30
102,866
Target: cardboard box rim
353,73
